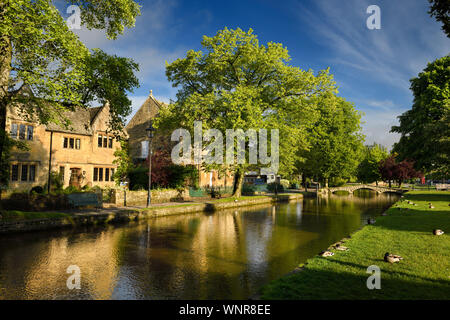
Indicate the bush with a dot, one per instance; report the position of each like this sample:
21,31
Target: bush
337,182
138,178
37,189
248,190
284,183
271,187
71,189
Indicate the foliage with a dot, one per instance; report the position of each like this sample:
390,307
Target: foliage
108,78
275,186
367,171
237,83
335,141
284,183
5,166
390,170
441,10
37,189
45,69
138,178
182,176
425,129
123,161
248,189
56,182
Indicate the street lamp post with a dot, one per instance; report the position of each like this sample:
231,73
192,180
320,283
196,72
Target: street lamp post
149,132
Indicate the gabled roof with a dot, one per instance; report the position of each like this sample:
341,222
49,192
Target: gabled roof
147,111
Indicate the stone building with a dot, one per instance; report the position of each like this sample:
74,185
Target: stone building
82,153
138,142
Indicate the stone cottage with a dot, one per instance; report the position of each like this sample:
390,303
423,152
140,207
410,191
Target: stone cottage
82,153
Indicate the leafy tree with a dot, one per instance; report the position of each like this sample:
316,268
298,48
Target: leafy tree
441,10
335,141
390,170
368,168
237,83
425,129
38,51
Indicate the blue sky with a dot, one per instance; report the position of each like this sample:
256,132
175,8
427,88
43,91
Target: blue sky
372,67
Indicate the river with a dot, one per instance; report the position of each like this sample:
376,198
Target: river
225,255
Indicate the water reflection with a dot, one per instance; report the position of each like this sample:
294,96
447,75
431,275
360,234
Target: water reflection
228,254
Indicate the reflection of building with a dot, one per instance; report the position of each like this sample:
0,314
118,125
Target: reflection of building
138,142
82,153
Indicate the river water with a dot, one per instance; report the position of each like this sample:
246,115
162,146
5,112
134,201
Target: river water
225,255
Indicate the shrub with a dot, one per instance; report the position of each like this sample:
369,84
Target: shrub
138,178
248,190
271,187
284,183
71,189
37,189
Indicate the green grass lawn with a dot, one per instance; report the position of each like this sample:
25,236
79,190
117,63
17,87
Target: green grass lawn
423,274
14,215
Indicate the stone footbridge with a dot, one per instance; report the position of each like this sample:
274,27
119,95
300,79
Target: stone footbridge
352,188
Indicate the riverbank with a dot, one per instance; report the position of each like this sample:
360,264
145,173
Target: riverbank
19,221
406,230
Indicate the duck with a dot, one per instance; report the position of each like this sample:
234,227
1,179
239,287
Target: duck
431,207
326,254
340,247
438,232
392,258
371,221
235,200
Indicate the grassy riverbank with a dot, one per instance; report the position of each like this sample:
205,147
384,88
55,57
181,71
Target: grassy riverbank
406,230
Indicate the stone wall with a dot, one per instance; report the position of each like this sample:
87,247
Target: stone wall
121,197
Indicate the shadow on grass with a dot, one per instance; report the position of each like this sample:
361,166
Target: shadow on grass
327,285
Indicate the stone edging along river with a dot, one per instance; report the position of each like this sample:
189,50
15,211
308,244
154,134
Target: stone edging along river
126,215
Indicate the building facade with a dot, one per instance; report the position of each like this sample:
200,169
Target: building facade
82,154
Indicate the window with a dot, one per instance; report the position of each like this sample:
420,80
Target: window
105,142
95,174
14,172
100,174
106,174
62,171
14,131
110,142
77,144
66,142
71,143
22,131
24,176
112,174
30,133
100,140
32,173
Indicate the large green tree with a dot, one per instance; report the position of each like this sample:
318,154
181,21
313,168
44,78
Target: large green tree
39,52
425,129
368,169
237,83
334,139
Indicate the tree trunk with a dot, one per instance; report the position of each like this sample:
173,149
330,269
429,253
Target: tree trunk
389,183
376,182
238,181
5,70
